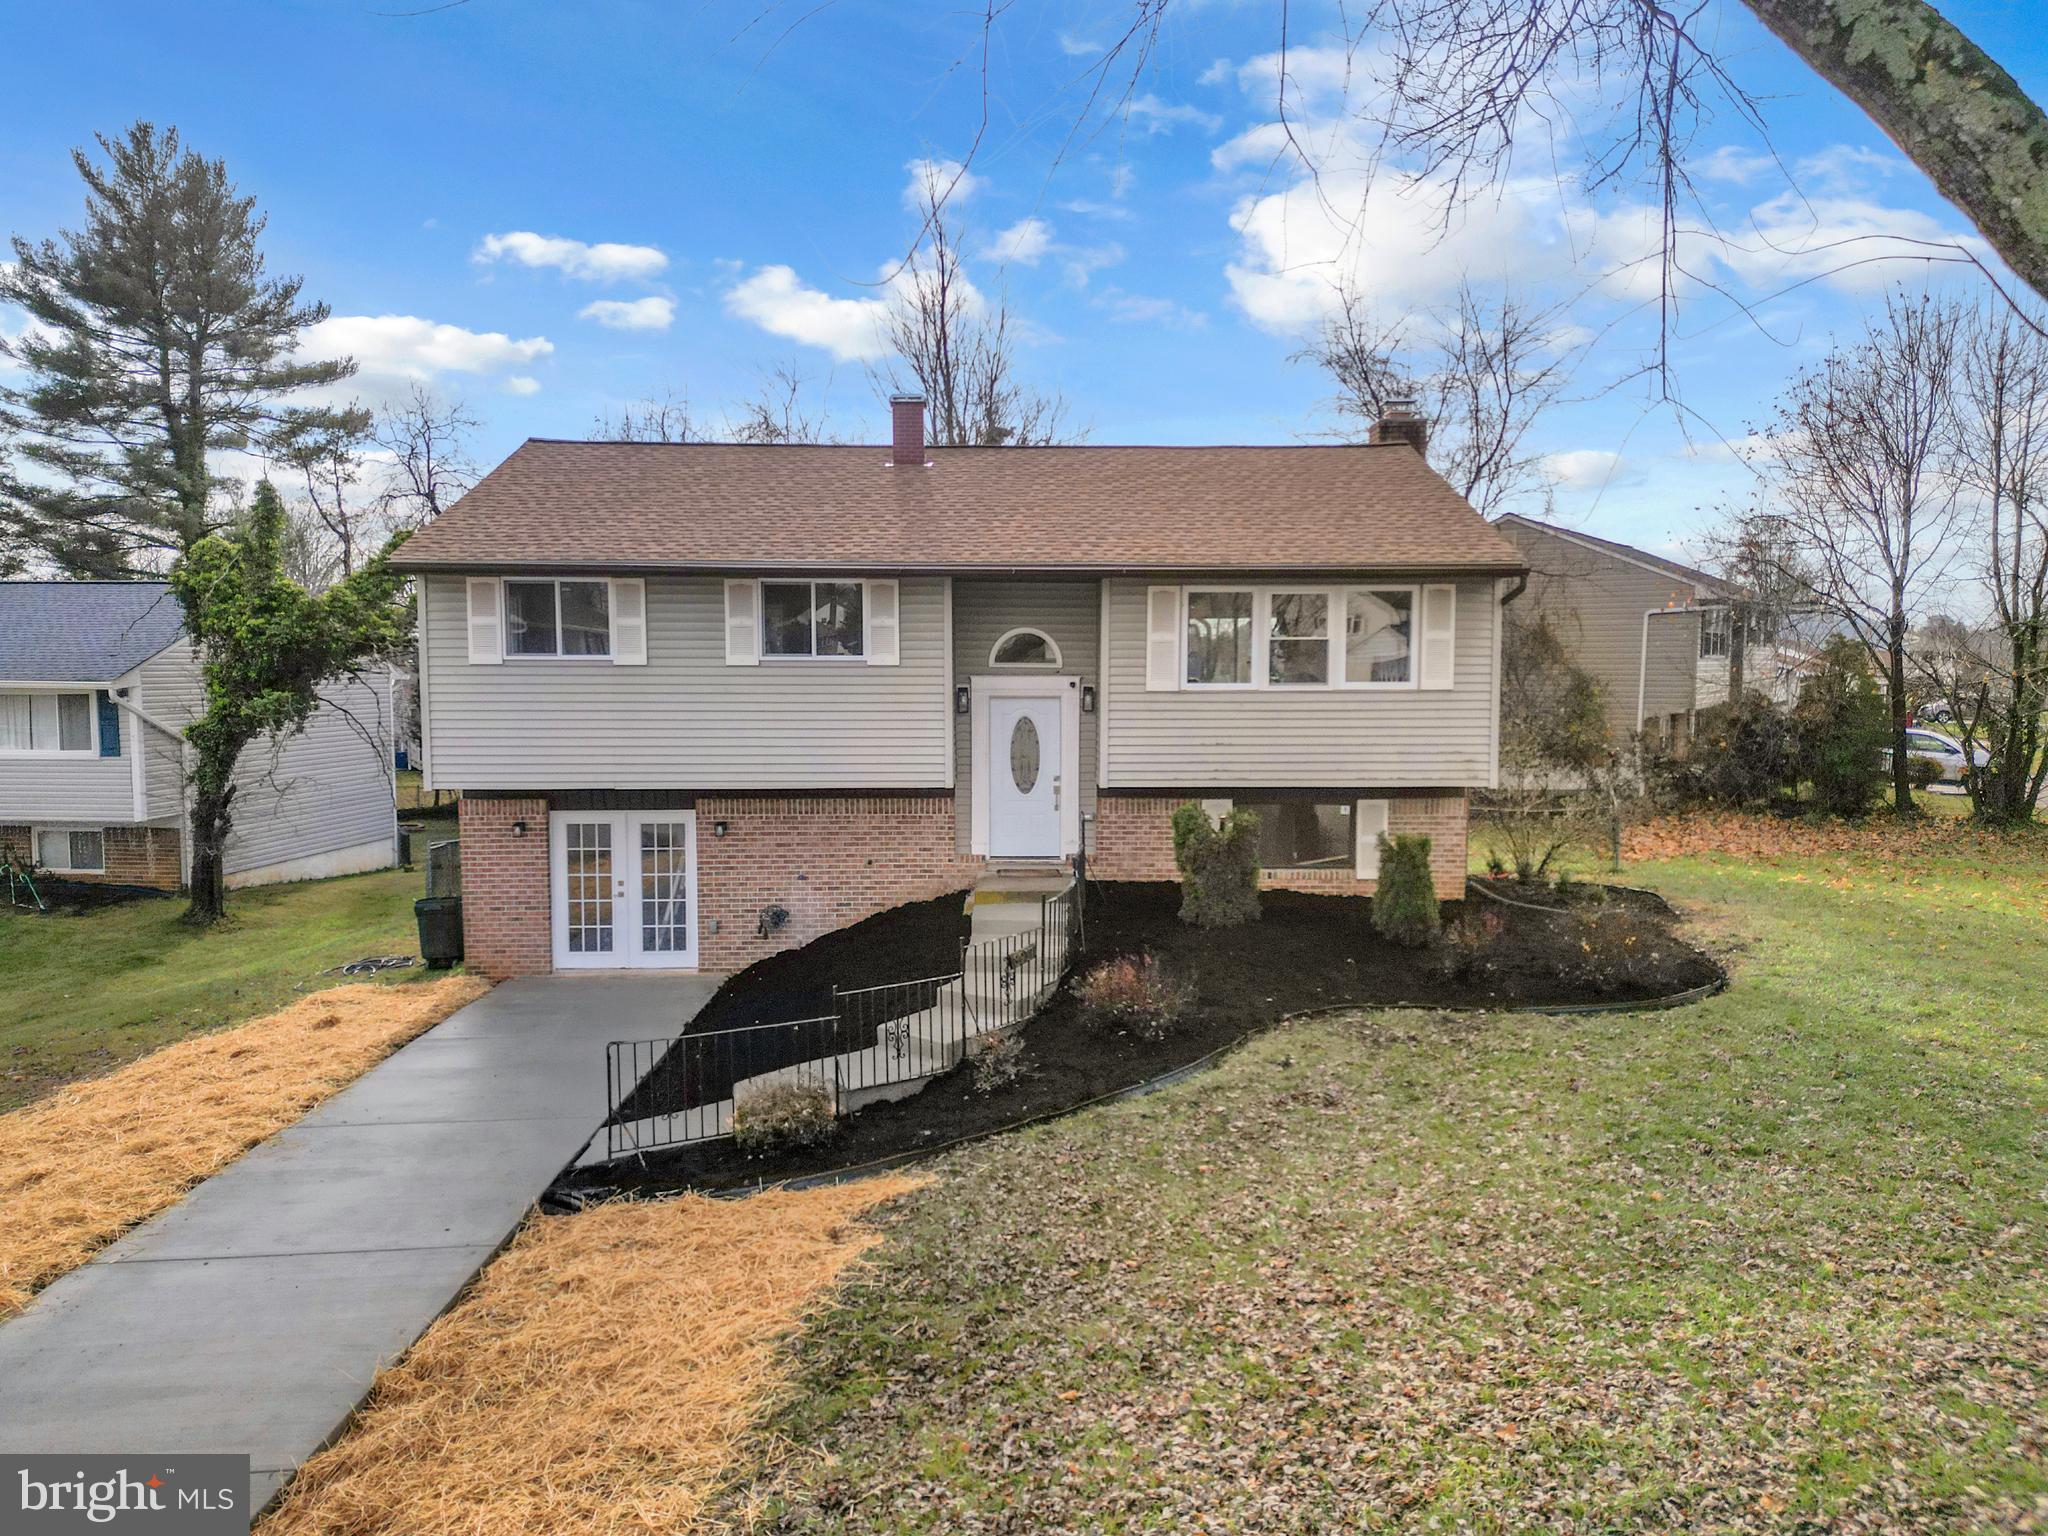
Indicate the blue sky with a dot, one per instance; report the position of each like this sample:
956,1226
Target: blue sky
687,195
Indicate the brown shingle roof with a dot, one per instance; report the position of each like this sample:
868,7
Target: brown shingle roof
609,505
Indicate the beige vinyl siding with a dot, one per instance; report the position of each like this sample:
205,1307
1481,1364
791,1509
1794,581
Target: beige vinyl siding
1595,602
167,688
98,790
983,611
686,719
1299,738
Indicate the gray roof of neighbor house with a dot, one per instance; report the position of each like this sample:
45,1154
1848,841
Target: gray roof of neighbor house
1710,584
709,506
83,631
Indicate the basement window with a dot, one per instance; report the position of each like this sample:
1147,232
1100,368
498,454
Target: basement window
1303,834
68,852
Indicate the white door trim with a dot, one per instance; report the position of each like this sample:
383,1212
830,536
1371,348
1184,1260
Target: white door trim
625,952
1040,686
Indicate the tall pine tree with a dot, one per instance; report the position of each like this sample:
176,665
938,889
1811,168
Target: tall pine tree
156,342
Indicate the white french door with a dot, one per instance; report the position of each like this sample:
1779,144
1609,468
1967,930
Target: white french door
624,888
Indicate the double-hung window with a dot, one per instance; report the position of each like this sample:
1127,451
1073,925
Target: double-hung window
72,852
1717,632
825,620
46,722
563,617
1298,637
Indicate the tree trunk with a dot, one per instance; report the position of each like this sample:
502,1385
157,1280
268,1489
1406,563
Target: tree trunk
1902,765
1738,648
211,820
1944,101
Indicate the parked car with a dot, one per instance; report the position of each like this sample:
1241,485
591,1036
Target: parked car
1945,752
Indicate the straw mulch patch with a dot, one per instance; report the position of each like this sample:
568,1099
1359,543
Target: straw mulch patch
599,1377
79,1168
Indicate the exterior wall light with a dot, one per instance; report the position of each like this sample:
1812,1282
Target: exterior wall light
1088,698
718,829
519,828
963,700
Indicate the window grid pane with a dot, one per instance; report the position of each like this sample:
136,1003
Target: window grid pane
588,855
74,722
1298,638
664,888
786,618
1303,834
1377,631
88,851
15,732
530,619
1219,631
586,618
838,621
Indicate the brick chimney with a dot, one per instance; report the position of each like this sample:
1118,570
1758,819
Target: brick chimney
1402,423
906,431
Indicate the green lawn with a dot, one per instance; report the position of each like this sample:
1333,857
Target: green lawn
87,992
1771,1263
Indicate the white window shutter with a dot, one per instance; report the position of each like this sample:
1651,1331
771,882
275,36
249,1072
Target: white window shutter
1369,823
629,622
1439,649
1162,639
742,624
486,622
884,627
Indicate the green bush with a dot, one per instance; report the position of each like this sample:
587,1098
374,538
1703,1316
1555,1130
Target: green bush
792,1113
1219,867
1404,909
1841,728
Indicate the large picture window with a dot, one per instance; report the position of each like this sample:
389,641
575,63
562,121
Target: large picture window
1219,638
821,619
46,722
558,618
1303,834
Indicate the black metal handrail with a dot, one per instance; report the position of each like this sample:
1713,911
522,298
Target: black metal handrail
679,1090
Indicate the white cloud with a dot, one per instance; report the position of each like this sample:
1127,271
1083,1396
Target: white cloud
1316,79
605,262
776,300
1155,116
948,179
1582,469
1219,72
407,347
1076,47
1148,309
1732,163
1024,243
522,384
649,314
1853,244
1081,262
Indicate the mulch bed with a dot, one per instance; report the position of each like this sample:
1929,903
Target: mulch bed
69,898
1306,952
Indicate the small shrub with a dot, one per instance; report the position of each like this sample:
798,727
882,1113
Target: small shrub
1219,866
1133,992
1404,907
1922,772
1468,943
1842,729
1612,950
781,1115
1000,1061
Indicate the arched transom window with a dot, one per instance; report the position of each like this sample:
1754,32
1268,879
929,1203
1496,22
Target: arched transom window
1024,648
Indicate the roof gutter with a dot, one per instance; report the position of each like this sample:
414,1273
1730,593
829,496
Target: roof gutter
814,567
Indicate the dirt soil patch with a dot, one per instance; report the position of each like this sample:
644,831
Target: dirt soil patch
71,898
77,1169
1306,952
598,1378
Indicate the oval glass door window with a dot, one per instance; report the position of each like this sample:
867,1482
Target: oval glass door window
1024,754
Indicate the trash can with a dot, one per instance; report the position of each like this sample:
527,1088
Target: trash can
440,920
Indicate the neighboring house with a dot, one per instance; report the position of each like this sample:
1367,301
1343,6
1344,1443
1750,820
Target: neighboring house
1655,633
97,683
707,701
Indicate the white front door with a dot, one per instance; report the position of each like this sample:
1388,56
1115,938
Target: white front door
1023,776
625,888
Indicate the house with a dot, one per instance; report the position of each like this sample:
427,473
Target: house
1655,633
706,701
97,683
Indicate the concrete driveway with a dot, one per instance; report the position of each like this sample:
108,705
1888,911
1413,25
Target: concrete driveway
252,1315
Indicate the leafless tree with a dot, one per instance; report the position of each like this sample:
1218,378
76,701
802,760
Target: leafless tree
663,418
1480,371
777,413
426,439
1855,466
1994,674
958,349
1759,557
325,450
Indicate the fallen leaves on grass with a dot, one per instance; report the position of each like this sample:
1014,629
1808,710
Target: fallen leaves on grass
1746,836
597,1379
80,1167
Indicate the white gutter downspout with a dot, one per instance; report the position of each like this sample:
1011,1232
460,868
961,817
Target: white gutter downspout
1643,663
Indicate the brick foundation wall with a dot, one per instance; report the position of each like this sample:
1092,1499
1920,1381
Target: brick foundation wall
1134,841
144,856
829,860
505,899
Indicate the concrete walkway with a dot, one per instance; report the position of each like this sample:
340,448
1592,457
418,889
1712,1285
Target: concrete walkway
252,1315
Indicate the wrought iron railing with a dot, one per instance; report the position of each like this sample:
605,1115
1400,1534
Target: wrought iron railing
680,1090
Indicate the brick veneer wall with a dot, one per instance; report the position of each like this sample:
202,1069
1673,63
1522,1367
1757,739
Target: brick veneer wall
144,856
830,860
506,927
1134,841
